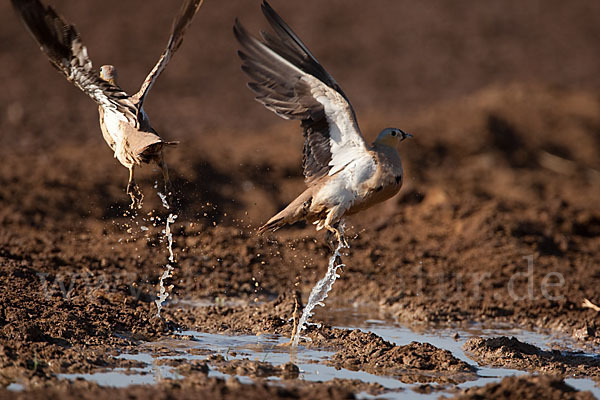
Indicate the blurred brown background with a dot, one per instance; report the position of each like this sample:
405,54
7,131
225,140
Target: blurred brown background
391,57
514,81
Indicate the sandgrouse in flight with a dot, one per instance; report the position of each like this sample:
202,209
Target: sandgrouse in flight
124,123
344,175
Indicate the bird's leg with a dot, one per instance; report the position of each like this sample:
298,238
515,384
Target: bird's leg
340,237
335,229
329,240
134,191
165,172
333,237
333,245
295,324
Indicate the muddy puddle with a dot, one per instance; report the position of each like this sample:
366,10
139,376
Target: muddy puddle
266,358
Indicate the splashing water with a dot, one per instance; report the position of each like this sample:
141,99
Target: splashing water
163,197
321,289
170,219
168,272
164,291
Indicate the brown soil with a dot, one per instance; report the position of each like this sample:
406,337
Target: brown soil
510,352
502,99
529,387
196,388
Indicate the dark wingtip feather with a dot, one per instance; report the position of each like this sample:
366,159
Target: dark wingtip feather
243,56
236,26
239,31
277,23
272,17
187,12
267,9
241,35
54,35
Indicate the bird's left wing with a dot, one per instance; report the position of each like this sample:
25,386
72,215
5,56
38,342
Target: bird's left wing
180,25
62,44
289,81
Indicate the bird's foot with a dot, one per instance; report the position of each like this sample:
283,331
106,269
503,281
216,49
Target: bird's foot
330,242
136,195
341,239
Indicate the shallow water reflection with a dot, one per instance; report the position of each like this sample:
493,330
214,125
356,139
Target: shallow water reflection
198,346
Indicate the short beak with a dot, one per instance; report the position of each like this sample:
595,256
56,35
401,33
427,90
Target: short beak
407,135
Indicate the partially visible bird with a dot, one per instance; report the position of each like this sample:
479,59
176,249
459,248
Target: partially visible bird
344,175
124,123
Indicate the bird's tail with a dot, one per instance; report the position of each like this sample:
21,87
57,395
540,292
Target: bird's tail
171,143
272,225
296,211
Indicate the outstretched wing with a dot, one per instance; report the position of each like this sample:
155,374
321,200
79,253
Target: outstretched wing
62,44
289,81
180,25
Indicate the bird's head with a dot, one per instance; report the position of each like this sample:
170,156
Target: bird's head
109,74
391,137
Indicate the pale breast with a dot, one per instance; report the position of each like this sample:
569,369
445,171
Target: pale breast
113,126
105,134
383,184
345,187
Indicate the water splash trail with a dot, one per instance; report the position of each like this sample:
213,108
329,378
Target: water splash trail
321,289
163,293
163,199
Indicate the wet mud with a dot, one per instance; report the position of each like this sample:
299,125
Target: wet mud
512,353
533,387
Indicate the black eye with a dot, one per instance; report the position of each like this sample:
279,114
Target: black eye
394,133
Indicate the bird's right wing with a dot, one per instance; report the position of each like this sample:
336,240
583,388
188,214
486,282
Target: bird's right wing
62,44
180,25
289,81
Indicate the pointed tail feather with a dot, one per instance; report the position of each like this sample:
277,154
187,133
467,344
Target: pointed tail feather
296,211
272,225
